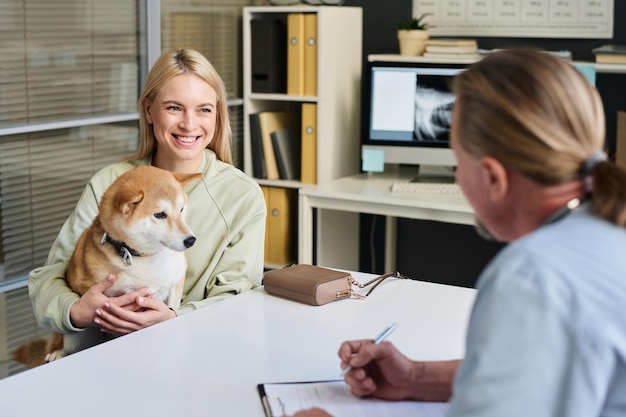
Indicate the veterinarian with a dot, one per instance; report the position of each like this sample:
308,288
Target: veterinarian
547,335
184,127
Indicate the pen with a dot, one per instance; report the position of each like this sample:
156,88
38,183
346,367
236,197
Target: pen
382,336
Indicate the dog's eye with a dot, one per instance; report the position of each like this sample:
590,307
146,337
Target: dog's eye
160,215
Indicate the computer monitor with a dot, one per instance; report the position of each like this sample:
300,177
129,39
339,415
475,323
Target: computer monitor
407,112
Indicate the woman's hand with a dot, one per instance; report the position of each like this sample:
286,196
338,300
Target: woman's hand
118,315
83,312
131,312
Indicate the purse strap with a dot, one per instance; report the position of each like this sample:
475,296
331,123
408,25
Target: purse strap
376,281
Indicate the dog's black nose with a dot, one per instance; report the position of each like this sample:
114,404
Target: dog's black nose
189,241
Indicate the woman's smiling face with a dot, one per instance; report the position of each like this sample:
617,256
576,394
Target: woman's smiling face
183,115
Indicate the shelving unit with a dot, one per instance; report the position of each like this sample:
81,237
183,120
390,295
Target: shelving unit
338,93
339,61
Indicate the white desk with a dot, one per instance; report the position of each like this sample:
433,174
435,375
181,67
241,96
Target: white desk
208,363
337,225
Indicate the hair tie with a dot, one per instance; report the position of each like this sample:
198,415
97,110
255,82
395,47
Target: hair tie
591,162
588,167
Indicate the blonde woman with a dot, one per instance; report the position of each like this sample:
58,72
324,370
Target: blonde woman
184,127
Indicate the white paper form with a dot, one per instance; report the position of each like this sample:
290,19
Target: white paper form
518,18
335,398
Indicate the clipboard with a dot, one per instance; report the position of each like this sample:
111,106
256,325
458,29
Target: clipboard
266,402
273,404
285,398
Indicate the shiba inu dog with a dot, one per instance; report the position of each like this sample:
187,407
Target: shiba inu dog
139,235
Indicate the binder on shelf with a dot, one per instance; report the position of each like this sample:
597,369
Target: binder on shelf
271,121
280,225
256,147
269,55
310,54
308,164
295,54
286,143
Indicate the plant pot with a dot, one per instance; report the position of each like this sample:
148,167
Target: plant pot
412,41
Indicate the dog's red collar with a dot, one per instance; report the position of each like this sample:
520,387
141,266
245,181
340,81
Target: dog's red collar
125,251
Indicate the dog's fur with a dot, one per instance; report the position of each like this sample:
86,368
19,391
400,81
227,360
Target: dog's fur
139,235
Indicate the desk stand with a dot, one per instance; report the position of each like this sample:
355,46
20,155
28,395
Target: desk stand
339,203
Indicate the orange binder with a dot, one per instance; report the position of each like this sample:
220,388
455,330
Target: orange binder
280,225
309,144
271,121
310,54
295,54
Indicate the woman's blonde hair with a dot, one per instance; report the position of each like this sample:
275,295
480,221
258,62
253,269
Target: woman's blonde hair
168,66
537,114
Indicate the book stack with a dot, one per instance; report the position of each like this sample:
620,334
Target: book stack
275,144
451,48
610,54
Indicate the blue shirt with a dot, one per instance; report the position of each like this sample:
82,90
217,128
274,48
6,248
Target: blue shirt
547,334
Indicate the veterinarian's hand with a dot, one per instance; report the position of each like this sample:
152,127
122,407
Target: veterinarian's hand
83,312
118,320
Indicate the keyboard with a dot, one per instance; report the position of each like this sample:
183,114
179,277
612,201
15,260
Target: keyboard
425,188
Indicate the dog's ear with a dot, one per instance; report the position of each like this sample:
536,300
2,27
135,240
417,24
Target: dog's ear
185,179
129,199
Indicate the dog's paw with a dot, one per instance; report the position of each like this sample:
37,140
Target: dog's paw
56,355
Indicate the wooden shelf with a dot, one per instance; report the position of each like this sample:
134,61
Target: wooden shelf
600,67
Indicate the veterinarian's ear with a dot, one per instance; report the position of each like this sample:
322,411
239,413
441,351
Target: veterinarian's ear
185,179
146,107
128,200
495,177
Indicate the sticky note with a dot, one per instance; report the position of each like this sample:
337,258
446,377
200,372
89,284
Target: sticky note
373,160
589,71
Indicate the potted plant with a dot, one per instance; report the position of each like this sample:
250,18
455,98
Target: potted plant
412,33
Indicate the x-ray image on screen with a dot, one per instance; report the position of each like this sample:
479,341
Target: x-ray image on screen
433,108
407,111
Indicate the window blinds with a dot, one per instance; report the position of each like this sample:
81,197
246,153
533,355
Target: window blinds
64,59
61,60
17,326
41,177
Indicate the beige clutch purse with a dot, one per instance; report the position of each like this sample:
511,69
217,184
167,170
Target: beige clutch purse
315,285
